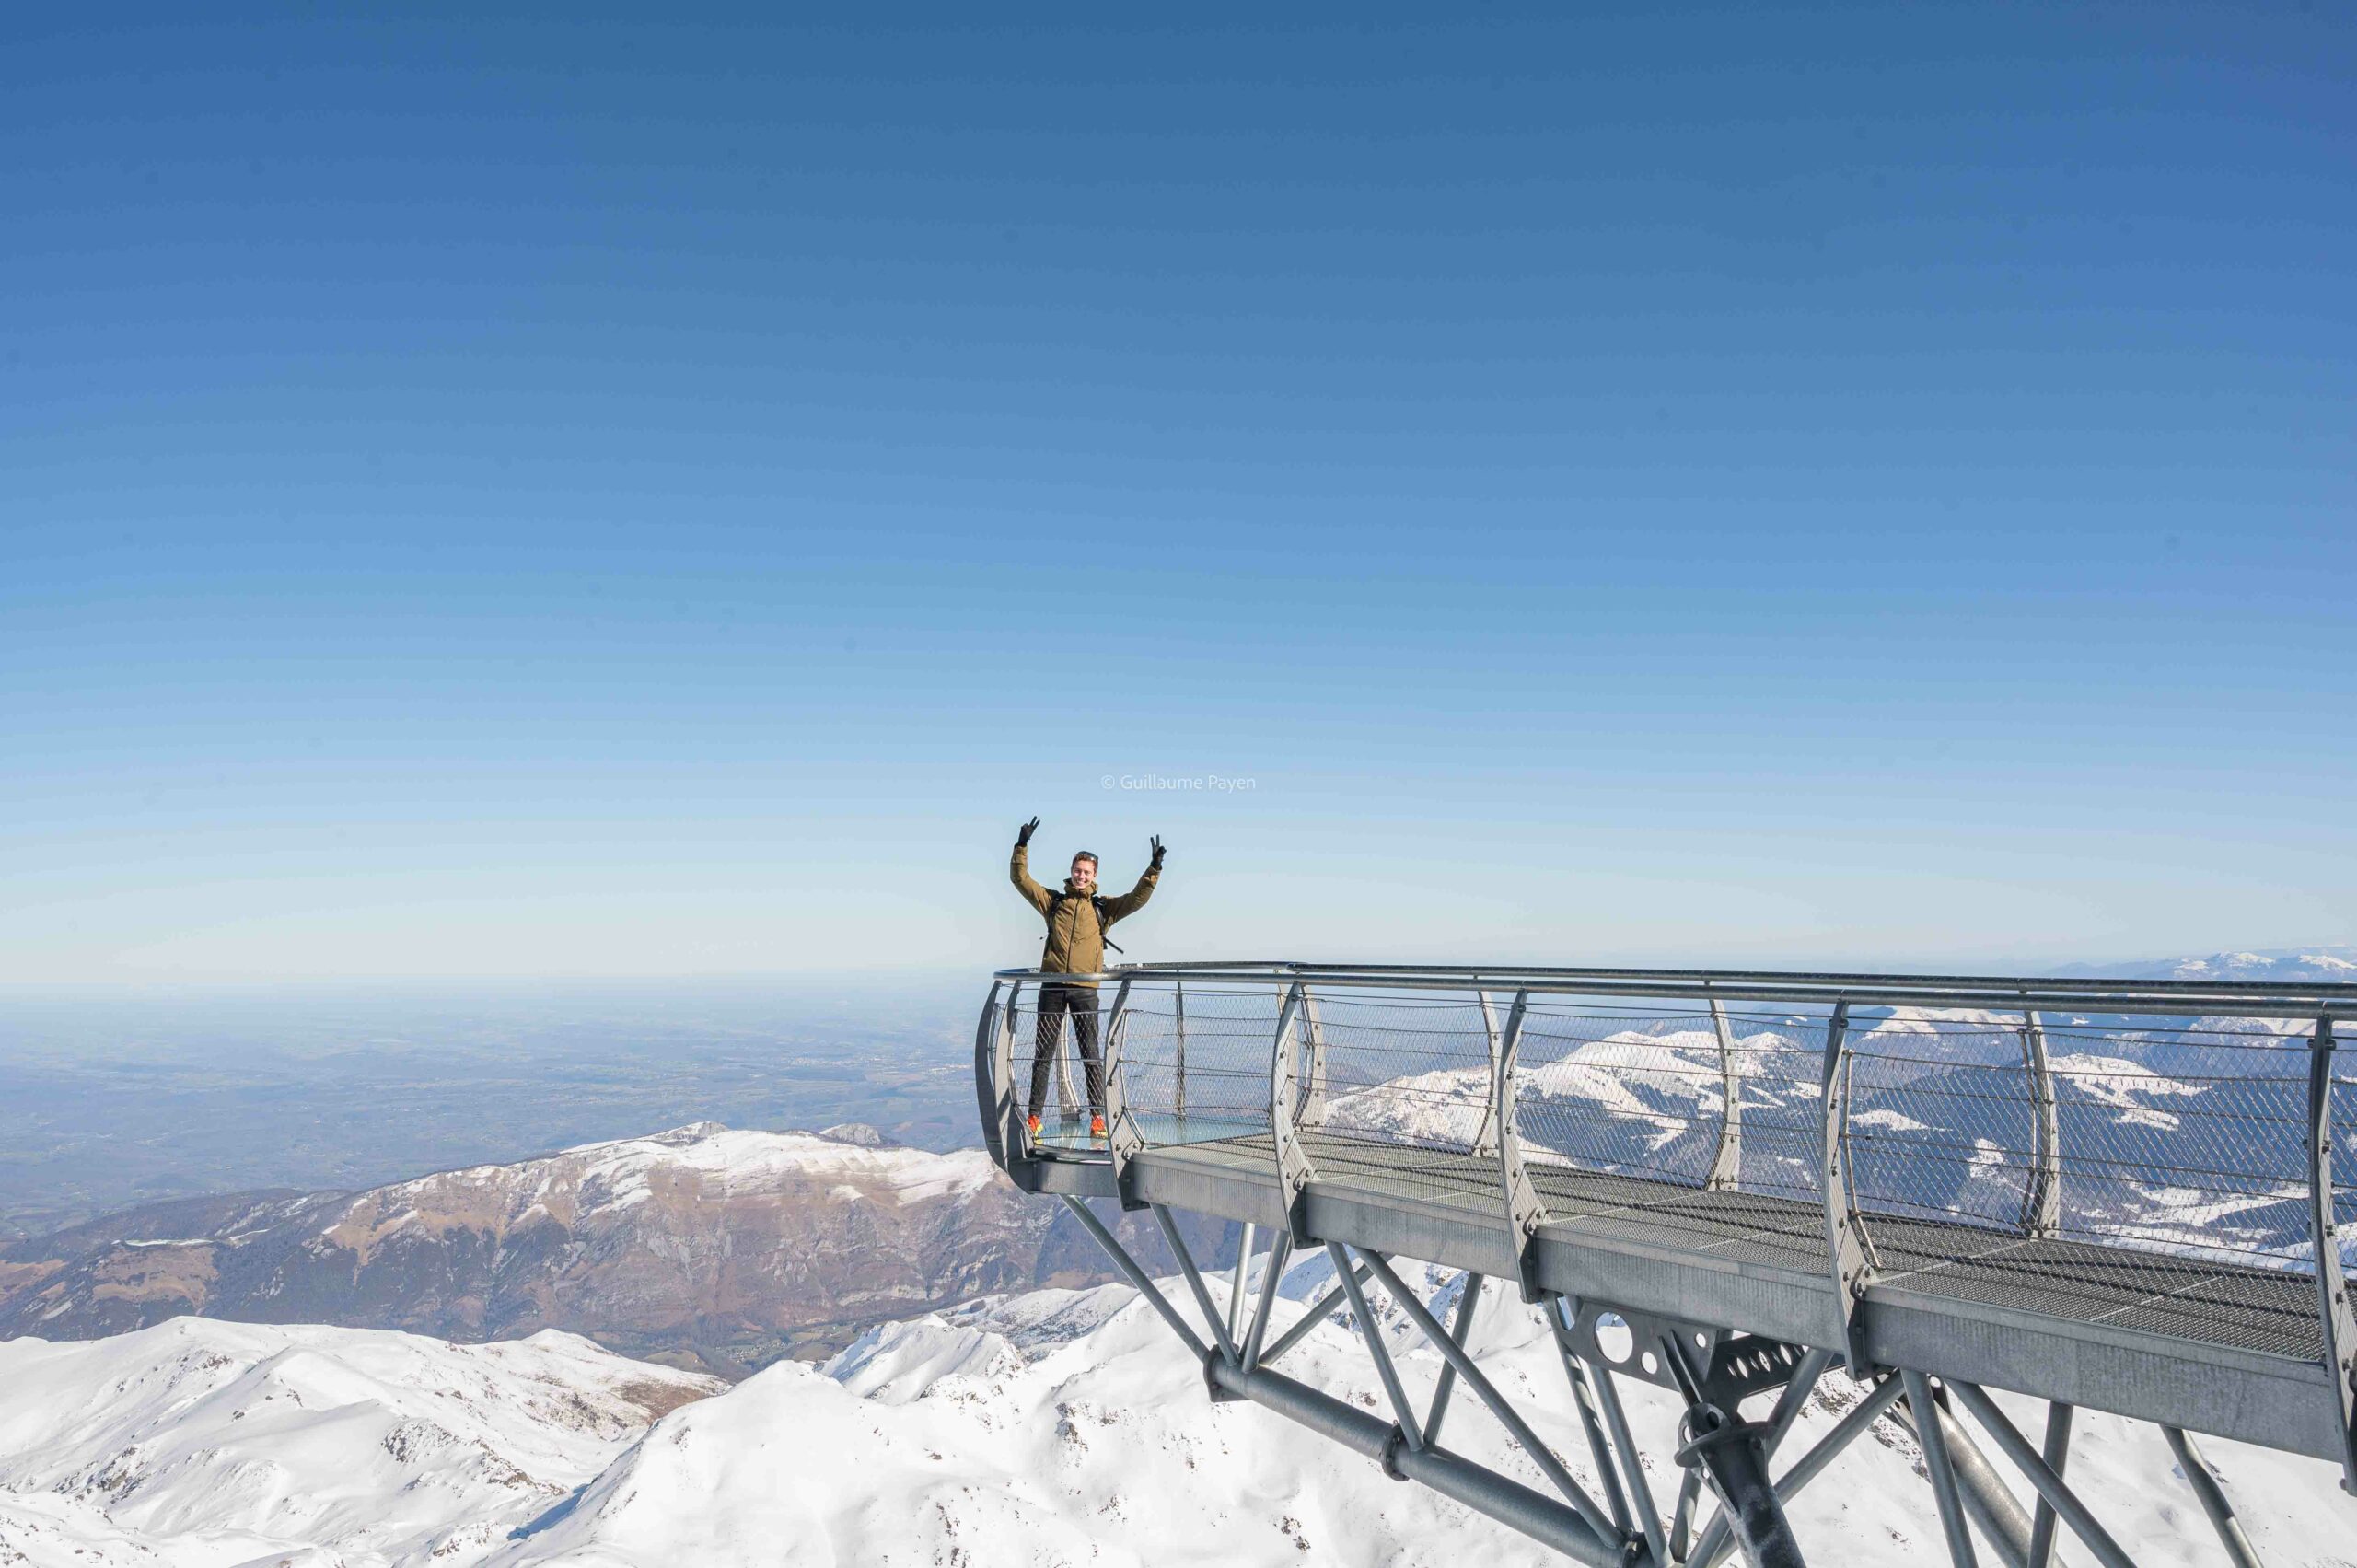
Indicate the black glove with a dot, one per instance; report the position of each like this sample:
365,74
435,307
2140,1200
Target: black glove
1158,851
1023,834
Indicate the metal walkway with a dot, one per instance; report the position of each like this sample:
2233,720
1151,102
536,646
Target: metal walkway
2116,1195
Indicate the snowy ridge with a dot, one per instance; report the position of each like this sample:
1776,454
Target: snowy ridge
198,1442
1049,1427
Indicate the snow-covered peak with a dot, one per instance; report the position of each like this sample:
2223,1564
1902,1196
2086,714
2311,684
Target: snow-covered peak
198,1441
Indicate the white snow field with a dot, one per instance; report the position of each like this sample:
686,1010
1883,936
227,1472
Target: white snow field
1068,1428
1055,1427
214,1445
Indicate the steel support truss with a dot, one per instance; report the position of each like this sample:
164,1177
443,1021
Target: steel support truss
1618,1521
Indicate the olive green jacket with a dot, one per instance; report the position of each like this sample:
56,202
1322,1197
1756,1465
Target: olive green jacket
1075,941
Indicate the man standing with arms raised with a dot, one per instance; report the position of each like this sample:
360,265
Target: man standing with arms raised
1077,919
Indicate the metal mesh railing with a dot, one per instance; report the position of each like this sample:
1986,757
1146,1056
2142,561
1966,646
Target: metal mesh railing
2113,1163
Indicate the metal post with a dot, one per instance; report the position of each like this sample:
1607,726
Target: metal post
1195,1282
1485,1138
1293,1173
1179,990
1469,1297
2049,1485
1525,1212
1726,1164
2198,1475
1941,1471
1236,1285
2339,1320
2057,1454
1123,1138
989,1088
1313,1099
1067,1095
1408,1434
1272,1274
1844,1234
1015,1134
2042,1192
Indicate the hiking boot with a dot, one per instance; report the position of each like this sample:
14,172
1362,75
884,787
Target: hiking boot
1096,1127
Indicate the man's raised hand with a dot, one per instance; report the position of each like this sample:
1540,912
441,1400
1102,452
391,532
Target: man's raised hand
1023,834
1158,851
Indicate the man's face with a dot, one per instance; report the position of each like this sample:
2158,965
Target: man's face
1083,873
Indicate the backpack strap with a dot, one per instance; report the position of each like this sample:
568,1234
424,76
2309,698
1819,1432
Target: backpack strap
1095,902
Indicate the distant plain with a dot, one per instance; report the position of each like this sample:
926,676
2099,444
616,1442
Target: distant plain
107,1101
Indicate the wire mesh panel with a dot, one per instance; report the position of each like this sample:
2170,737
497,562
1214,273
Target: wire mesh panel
1194,1060
1055,1031
1617,1090
1398,1086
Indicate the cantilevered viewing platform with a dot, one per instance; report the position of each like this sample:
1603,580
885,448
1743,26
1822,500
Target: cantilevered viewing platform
2109,1195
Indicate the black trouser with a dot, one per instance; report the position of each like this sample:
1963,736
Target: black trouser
1080,1001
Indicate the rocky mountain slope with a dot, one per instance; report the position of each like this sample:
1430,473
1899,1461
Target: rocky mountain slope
1049,1427
727,1249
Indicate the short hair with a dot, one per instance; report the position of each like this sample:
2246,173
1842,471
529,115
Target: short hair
1088,856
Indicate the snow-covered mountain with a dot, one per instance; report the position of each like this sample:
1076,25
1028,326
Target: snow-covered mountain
1052,1427
739,1244
205,1443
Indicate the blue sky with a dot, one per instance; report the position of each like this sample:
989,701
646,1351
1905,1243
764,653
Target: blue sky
569,493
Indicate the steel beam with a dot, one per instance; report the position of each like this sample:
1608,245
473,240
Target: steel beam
2056,1456
1525,1212
1137,1278
2339,1320
1719,1540
1624,1443
1518,1429
1599,1444
1852,1263
1235,1283
1939,1466
2213,1498
1484,1491
1272,1274
1468,1298
1195,1281
1320,1310
1715,1438
1989,1503
2050,1486
2042,1192
1376,1349
1727,1162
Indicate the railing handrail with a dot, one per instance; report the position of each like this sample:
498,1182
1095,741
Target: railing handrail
1999,993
